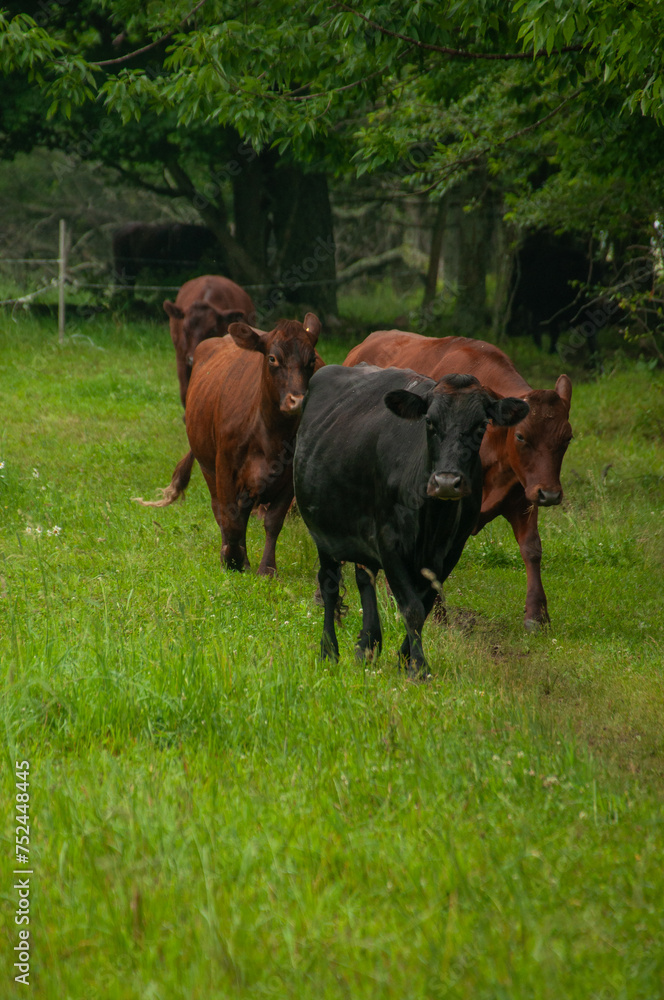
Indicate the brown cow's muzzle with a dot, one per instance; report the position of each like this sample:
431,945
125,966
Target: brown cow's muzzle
540,497
448,486
549,498
292,404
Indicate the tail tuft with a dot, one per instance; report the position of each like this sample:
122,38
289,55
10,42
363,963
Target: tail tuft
167,496
175,490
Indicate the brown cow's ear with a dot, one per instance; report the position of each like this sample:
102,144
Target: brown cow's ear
228,316
173,311
312,326
564,390
508,411
406,404
246,337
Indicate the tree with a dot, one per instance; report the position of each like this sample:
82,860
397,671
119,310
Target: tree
427,97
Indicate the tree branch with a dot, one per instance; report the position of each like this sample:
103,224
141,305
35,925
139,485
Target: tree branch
170,192
461,53
465,160
215,218
152,45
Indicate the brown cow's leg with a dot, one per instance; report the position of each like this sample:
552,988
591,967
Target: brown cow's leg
524,525
232,520
233,526
273,521
184,374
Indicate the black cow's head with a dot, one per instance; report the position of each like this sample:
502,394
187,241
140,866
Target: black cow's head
290,358
456,412
200,322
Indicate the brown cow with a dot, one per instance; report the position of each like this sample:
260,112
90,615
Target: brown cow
243,409
521,465
204,308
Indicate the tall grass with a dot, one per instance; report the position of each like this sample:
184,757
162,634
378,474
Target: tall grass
215,813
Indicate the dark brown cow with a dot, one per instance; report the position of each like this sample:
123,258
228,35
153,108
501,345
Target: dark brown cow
167,247
521,464
204,308
243,409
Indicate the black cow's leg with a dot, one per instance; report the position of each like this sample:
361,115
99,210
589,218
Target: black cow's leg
329,576
428,602
370,639
273,522
411,605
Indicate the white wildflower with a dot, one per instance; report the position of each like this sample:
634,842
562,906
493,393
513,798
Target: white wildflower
35,473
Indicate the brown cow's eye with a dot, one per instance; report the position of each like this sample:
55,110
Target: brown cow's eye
519,437
271,359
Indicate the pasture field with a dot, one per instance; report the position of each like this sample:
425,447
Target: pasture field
214,813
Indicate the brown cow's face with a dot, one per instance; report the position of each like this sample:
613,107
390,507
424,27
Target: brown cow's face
536,447
202,321
290,359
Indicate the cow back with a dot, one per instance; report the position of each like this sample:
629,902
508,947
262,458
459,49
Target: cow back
439,356
219,292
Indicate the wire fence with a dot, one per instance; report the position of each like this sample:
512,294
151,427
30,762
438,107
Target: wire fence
70,280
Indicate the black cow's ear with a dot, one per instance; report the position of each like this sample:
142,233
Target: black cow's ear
173,311
508,411
406,404
312,326
246,337
228,316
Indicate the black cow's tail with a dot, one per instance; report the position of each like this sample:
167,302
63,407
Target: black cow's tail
177,486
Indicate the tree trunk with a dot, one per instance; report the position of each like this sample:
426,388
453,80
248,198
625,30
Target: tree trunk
241,265
251,207
304,234
474,232
431,281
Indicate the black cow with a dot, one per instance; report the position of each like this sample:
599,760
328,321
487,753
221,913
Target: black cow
171,247
547,294
387,475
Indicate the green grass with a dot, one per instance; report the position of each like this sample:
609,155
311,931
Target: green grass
214,813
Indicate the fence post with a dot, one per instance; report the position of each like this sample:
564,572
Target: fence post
62,267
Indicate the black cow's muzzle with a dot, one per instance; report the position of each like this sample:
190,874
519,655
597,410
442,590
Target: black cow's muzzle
448,486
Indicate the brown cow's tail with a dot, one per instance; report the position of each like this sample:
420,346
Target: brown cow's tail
177,486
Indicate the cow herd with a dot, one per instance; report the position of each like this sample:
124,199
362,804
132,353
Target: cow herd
394,458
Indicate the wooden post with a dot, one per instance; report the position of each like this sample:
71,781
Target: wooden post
62,268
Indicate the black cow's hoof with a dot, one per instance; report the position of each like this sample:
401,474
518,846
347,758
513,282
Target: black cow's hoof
365,651
327,650
418,675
